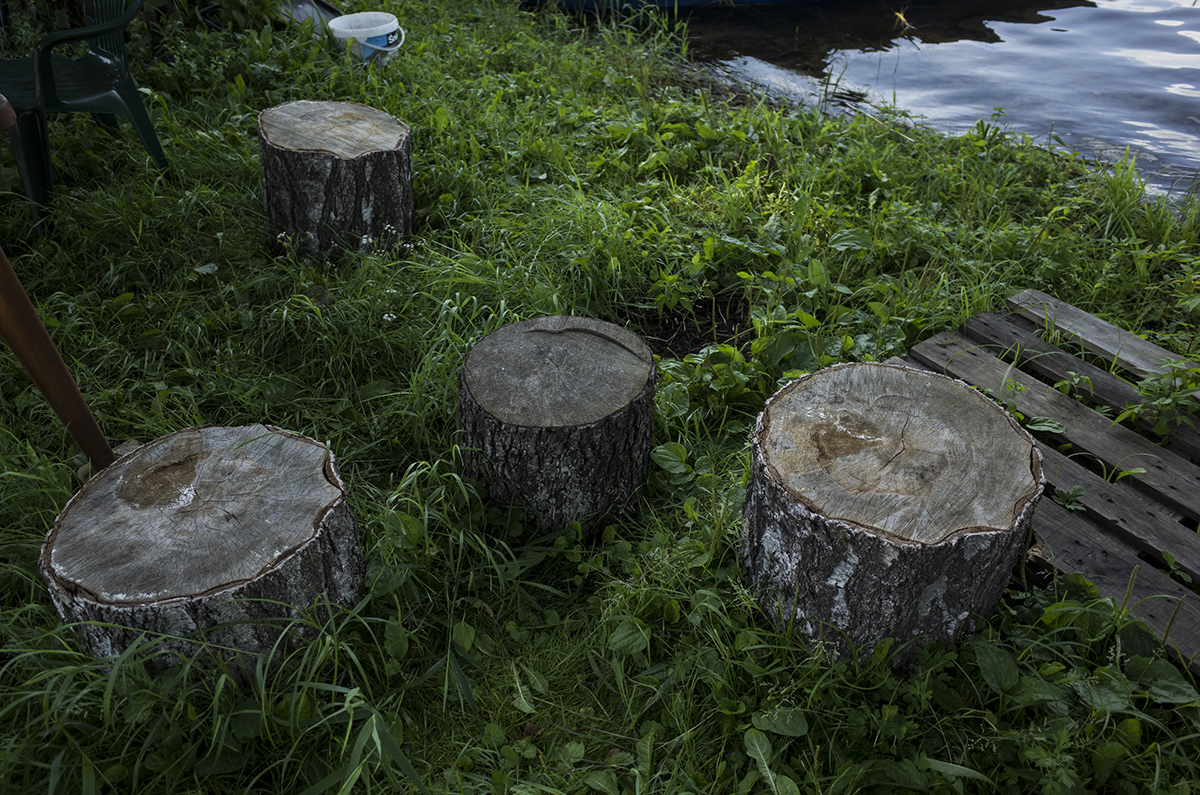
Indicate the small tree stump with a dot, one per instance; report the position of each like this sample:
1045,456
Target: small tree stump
885,502
335,175
238,527
557,413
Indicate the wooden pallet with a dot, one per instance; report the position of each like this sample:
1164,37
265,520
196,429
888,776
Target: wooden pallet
1120,538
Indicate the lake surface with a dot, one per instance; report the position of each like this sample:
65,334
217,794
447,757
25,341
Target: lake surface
1100,77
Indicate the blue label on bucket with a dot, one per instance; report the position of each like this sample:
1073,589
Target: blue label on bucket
381,45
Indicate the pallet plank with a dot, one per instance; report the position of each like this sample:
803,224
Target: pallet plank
1170,476
1073,544
1098,336
1017,336
1020,336
1107,542
1128,514
1120,539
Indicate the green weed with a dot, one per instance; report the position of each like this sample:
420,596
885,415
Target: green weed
561,164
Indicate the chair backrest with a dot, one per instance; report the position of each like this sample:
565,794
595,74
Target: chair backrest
111,45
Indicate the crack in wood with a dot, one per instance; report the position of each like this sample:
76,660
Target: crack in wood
903,428
581,330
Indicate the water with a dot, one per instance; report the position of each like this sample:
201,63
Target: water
1098,78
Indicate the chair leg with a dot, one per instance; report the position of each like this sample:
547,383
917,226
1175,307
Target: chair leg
141,122
31,150
108,121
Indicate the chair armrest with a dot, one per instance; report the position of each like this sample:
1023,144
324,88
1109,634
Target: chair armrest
76,34
43,71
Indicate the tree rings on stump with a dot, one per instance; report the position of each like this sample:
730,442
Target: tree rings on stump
557,413
335,175
885,502
220,535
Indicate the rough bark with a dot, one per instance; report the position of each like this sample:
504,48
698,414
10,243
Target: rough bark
210,537
885,502
336,175
556,414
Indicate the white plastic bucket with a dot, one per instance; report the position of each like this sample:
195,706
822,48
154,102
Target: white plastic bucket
372,34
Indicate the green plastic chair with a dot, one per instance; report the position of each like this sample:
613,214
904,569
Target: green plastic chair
98,83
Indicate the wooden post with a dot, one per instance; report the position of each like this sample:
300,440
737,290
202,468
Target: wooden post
24,332
22,329
556,413
885,502
335,175
213,534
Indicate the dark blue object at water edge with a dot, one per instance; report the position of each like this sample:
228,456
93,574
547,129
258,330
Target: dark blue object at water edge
618,5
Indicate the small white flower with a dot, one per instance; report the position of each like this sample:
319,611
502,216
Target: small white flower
389,317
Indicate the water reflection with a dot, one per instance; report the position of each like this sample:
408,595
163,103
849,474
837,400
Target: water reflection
1184,90
1102,77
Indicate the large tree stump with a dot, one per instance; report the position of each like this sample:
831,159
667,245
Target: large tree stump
335,175
885,502
557,413
212,534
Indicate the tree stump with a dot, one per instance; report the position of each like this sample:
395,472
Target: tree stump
213,535
885,502
335,175
557,413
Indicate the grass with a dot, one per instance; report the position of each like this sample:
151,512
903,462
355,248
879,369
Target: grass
561,165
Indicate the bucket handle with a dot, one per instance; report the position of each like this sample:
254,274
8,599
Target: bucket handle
391,49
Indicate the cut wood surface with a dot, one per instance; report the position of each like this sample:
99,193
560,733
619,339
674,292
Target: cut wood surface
335,175
556,413
1120,534
886,449
342,129
885,501
197,529
557,371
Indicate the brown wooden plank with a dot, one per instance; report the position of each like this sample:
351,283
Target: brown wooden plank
1103,545
1143,524
1104,339
1073,544
1020,336
1171,478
